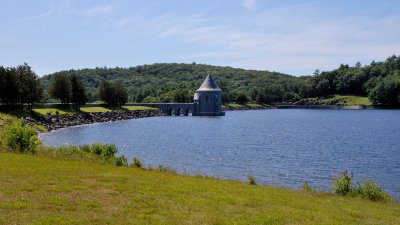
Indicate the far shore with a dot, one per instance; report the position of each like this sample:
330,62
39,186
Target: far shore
58,121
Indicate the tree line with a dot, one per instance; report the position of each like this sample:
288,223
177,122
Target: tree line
379,81
162,82
19,87
173,82
70,89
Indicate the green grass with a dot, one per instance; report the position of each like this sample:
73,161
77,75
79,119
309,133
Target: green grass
250,105
253,105
346,100
52,111
134,108
39,190
233,105
95,109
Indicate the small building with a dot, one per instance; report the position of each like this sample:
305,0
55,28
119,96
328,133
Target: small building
208,99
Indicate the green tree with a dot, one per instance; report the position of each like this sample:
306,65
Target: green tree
114,94
104,91
30,87
19,86
181,95
61,88
121,95
78,92
387,91
242,98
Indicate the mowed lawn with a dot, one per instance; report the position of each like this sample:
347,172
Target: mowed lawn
94,109
38,190
134,108
51,111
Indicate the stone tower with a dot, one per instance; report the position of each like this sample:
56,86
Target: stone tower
208,99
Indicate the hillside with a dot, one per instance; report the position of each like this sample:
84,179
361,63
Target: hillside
40,190
161,81
379,81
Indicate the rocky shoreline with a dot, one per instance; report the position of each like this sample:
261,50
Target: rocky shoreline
54,122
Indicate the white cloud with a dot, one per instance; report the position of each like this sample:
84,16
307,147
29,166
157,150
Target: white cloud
289,39
99,10
276,41
249,4
34,17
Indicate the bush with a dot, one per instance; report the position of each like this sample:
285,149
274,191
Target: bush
121,161
162,168
372,191
85,148
97,148
367,189
108,151
343,185
21,137
251,180
307,187
136,163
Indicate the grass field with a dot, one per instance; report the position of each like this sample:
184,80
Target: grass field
95,109
250,105
134,108
233,105
37,190
253,105
52,111
346,100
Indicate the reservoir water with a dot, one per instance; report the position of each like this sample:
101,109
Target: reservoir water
282,147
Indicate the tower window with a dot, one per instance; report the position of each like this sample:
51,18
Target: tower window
207,98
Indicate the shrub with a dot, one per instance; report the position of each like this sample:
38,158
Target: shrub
251,180
307,187
372,191
343,185
57,112
108,151
21,137
121,161
136,163
85,148
97,148
162,168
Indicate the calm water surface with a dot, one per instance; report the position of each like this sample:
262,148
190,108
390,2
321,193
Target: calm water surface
282,147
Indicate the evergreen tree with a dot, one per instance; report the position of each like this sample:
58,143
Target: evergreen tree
78,92
29,86
121,95
19,86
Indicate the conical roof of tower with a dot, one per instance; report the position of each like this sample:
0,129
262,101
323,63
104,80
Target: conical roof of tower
209,85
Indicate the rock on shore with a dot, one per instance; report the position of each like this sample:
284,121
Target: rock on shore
54,122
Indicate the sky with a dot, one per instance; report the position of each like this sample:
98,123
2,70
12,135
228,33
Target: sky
293,37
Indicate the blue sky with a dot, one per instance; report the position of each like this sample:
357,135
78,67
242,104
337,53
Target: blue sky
294,37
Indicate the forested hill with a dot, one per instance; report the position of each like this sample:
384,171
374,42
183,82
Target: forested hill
380,81
178,82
